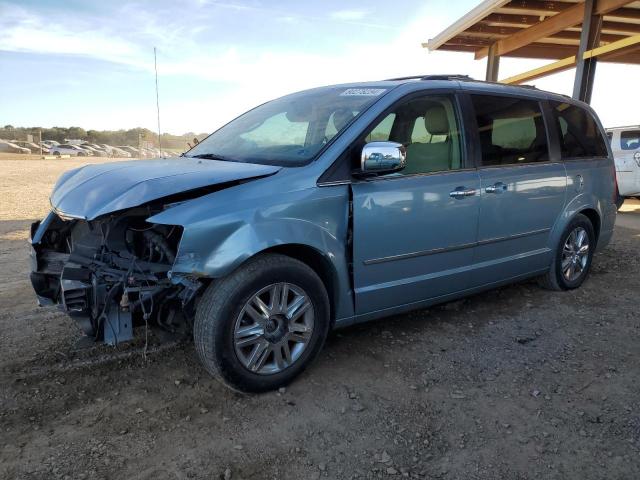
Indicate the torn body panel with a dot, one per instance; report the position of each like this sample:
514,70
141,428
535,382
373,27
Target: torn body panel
151,261
225,229
95,190
110,273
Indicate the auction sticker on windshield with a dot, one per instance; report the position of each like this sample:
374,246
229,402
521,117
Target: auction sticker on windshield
364,92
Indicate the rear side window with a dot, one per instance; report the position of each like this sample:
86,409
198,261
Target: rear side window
511,130
630,140
578,132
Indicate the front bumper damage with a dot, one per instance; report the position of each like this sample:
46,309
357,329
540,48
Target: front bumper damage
112,273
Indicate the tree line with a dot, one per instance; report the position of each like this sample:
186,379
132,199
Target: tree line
133,136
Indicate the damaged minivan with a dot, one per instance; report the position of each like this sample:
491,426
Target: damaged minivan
325,208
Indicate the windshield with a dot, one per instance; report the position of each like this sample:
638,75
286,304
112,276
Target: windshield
289,131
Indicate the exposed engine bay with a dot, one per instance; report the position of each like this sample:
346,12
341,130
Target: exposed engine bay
112,273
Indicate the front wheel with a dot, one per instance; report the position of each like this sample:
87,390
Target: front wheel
258,328
573,256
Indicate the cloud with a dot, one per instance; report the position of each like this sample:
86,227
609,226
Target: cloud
21,31
348,15
239,73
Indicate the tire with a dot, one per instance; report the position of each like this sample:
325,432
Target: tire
559,278
224,314
619,201
57,154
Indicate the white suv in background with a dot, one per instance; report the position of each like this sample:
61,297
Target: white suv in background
68,149
625,143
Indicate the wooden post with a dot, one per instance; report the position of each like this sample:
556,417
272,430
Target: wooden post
493,65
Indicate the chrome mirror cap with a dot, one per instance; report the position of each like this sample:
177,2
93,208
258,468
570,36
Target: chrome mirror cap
380,157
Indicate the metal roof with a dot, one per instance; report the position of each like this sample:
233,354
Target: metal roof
540,29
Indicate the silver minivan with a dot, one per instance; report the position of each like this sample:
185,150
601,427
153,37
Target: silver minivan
325,208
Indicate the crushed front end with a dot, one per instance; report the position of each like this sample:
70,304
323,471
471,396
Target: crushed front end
112,273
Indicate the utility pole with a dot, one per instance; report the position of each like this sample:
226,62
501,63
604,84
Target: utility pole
155,63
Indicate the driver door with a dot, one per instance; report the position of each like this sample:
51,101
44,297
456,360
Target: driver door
415,230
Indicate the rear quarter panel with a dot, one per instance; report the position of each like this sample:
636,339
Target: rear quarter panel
590,185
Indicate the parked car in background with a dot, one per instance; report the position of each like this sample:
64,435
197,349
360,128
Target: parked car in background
118,152
100,148
326,208
107,148
9,147
50,143
132,150
96,152
149,153
34,147
66,149
625,143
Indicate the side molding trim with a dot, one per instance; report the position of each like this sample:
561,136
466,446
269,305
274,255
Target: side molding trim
434,251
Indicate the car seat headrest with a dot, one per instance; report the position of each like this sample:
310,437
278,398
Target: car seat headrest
436,121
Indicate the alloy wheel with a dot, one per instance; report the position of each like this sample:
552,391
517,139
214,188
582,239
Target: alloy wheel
273,328
575,254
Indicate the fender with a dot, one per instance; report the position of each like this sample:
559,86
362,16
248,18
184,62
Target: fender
224,229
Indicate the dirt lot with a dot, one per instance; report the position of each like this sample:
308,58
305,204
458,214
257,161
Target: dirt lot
516,383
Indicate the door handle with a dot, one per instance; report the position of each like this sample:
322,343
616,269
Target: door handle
498,187
461,192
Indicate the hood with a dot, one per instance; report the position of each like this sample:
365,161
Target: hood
95,190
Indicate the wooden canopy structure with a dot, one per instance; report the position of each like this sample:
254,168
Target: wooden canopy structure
575,33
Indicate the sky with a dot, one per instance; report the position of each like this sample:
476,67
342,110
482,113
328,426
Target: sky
89,63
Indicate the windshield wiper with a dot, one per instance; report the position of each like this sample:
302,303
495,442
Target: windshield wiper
213,156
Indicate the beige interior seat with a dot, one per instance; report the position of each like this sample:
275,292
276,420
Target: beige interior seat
431,157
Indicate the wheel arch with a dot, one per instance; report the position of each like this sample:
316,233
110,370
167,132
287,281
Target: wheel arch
315,260
594,217
586,204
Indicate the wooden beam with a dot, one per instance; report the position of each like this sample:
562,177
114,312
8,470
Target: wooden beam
631,58
567,18
534,7
535,50
625,14
565,37
627,46
511,20
470,41
620,28
544,51
471,18
555,67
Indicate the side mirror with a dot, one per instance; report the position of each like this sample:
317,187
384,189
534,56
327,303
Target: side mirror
383,157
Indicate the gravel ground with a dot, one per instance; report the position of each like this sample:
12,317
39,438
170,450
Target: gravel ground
515,383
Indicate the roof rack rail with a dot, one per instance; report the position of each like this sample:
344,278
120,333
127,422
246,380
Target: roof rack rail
447,77
432,77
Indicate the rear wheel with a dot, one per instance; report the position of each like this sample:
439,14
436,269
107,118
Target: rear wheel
258,328
573,256
619,201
